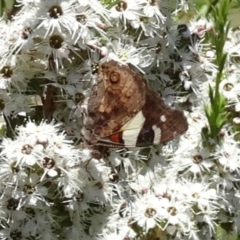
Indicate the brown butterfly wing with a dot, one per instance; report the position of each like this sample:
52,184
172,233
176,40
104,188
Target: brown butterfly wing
170,122
117,97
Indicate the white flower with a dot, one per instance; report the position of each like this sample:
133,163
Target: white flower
207,63
148,26
183,5
14,103
201,194
21,151
22,38
142,183
201,26
223,180
128,54
161,46
175,213
152,8
30,191
74,179
101,192
56,48
168,187
87,20
5,28
230,88
232,45
28,3
97,7
13,229
191,159
70,83
208,215
118,226
126,10
56,15
147,212
9,209
10,171
76,202
43,133
228,155
196,122
11,76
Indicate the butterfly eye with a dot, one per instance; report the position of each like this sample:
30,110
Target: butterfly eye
114,77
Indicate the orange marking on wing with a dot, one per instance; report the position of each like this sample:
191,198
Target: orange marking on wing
115,137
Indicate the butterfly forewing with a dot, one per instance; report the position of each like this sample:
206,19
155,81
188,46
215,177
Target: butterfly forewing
120,96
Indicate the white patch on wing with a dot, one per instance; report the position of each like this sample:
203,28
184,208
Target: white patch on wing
157,134
132,129
163,118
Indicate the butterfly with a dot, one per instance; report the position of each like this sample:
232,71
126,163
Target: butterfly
124,112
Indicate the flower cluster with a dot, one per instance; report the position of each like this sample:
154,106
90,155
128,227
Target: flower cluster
54,186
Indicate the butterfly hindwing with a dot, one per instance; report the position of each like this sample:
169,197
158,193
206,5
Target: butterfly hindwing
155,123
162,123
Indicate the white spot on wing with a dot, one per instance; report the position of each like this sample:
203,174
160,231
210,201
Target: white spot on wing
163,118
157,134
132,129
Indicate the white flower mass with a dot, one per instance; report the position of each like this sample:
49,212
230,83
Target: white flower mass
53,186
